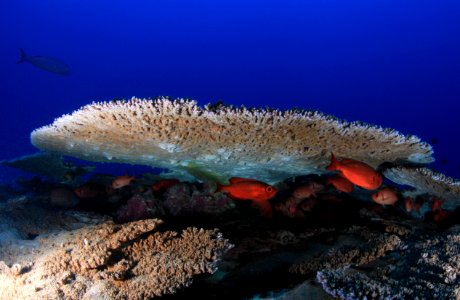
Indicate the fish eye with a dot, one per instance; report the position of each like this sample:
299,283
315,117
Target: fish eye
269,189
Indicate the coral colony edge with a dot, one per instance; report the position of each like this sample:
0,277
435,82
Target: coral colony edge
251,203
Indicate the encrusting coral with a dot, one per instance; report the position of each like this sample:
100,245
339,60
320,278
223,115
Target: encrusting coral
114,261
269,145
426,181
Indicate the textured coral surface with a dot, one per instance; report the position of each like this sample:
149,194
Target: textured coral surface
138,242
269,145
426,268
106,261
426,181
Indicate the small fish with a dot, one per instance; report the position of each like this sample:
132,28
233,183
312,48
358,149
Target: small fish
46,63
250,189
436,204
385,196
307,191
433,141
122,181
444,161
341,183
356,172
163,185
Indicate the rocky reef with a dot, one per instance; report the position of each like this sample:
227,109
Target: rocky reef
425,268
171,239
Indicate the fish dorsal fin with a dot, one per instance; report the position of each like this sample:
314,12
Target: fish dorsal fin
239,179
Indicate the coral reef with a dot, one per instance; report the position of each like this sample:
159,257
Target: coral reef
114,261
29,218
426,181
140,206
319,243
426,269
268,145
186,199
361,247
50,254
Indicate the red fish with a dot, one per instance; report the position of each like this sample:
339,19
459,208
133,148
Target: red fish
122,181
356,172
163,185
306,191
250,189
385,196
341,183
436,204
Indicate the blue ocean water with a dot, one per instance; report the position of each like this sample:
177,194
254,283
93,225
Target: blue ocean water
391,63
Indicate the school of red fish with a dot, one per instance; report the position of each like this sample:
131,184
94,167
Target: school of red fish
349,173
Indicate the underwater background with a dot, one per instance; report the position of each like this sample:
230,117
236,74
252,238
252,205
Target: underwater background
390,63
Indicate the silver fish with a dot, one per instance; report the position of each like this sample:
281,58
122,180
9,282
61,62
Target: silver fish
46,63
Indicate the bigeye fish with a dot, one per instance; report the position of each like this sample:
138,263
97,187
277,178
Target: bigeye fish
356,172
46,63
250,189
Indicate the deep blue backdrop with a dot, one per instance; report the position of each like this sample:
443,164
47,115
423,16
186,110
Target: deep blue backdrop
390,62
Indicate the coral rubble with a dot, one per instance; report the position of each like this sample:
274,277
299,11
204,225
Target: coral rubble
269,145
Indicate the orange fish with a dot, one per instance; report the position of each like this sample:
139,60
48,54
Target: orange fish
436,204
306,191
250,189
356,172
385,196
122,181
163,185
341,183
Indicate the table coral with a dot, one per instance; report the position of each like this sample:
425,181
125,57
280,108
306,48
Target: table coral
426,181
270,145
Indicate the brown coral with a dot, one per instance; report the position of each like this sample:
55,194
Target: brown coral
368,247
227,141
118,261
426,181
427,268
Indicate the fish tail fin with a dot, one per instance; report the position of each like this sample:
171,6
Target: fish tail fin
334,165
23,56
219,187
